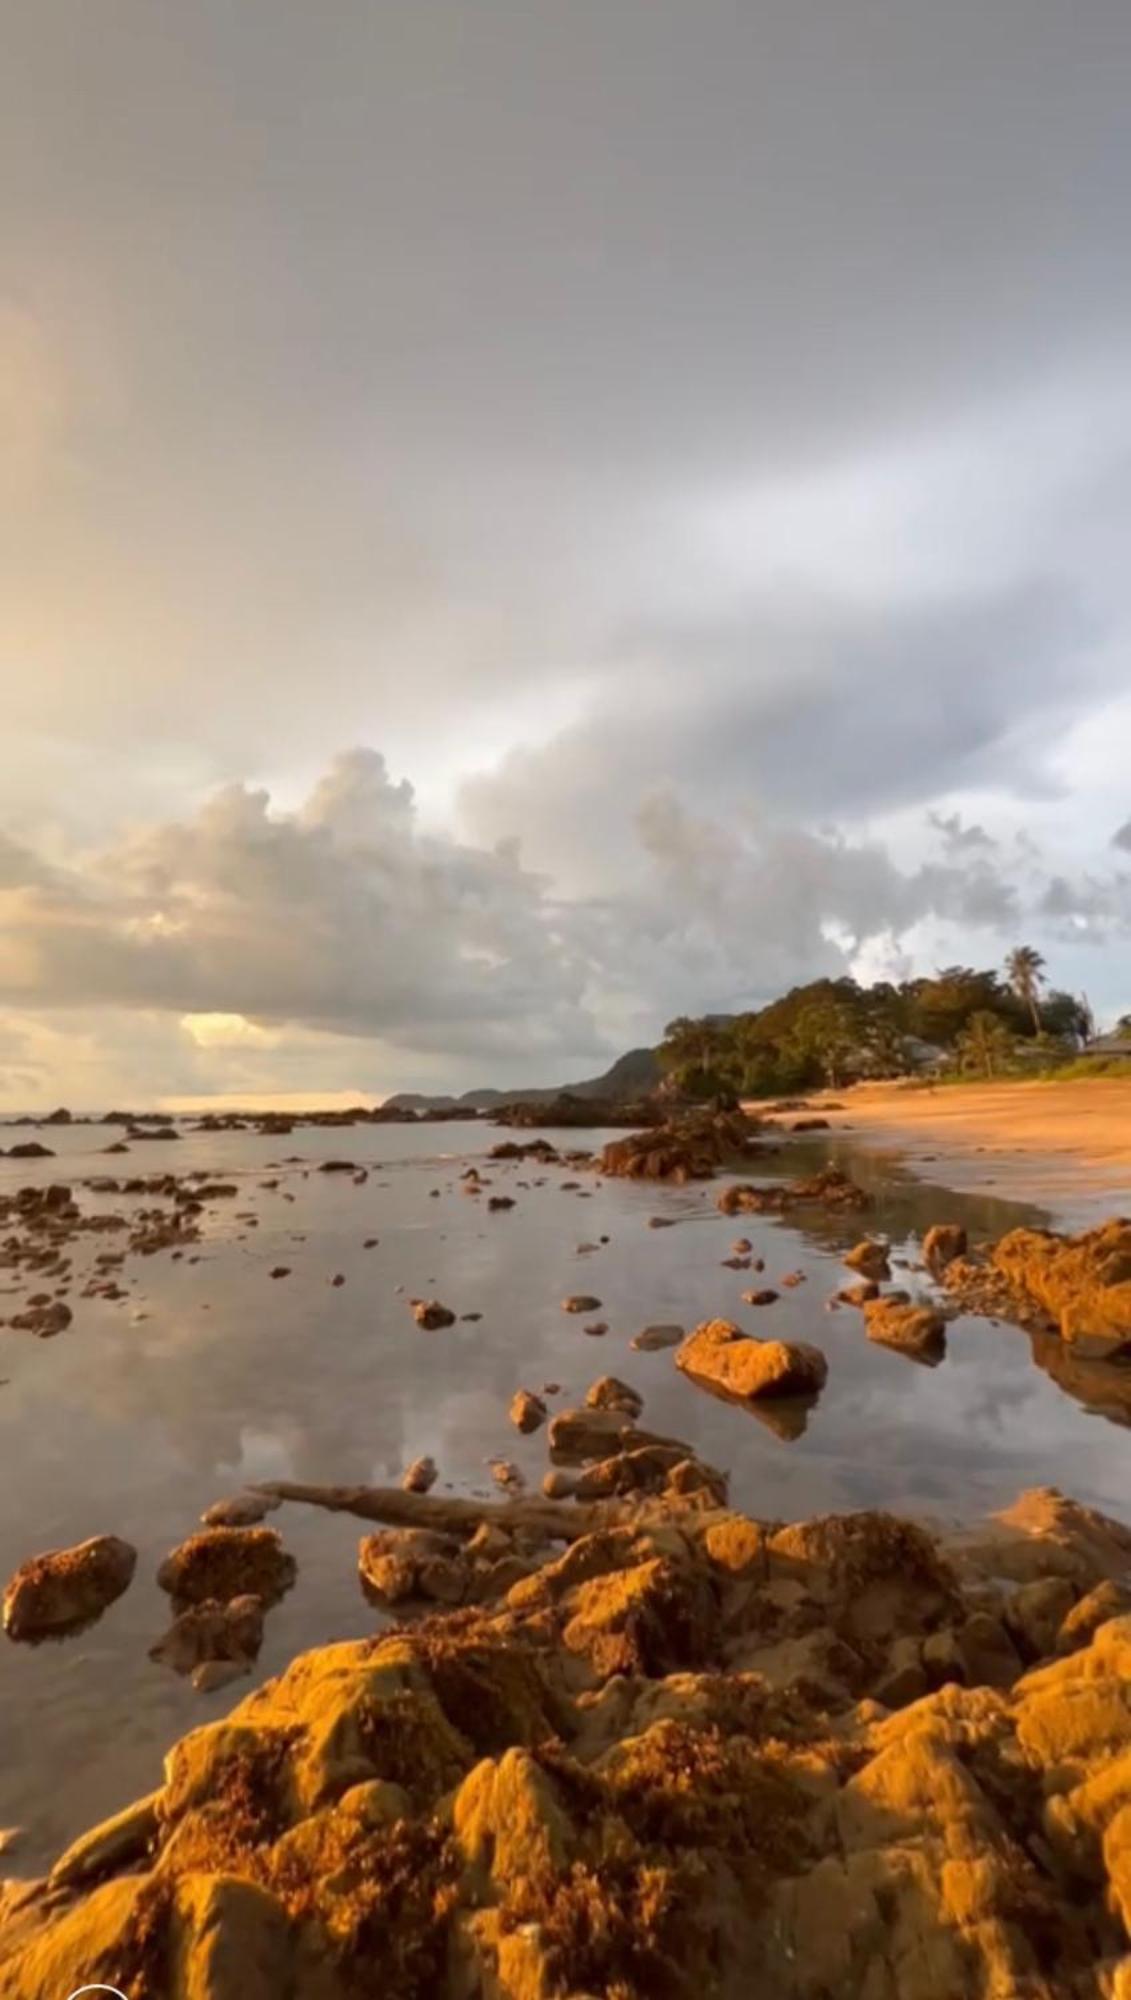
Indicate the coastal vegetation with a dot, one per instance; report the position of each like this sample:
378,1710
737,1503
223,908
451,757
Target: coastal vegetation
958,1022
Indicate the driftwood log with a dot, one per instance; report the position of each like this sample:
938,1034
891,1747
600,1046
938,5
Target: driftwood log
553,1520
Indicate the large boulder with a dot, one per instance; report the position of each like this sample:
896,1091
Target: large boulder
65,1589
1082,1282
720,1355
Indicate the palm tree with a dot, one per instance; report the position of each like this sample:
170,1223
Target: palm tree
984,1043
1026,970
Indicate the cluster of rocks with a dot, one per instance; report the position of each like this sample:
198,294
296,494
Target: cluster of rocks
566,1109
692,1753
689,1147
830,1188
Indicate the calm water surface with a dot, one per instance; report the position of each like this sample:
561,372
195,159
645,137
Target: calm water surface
211,1375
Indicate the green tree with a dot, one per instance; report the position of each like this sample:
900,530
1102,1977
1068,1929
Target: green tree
985,1044
1025,969
826,1033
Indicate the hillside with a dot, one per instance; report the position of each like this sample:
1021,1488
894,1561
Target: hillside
632,1075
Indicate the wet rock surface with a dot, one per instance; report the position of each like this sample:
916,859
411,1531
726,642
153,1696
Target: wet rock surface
720,1355
694,1753
64,1590
693,1147
1082,1282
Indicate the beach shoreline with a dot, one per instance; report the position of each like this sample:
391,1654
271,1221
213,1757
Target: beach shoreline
1064,1143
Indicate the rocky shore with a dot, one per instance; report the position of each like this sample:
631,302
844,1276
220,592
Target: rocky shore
619,1739
692,1753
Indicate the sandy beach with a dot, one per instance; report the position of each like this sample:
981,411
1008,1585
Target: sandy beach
1038,1141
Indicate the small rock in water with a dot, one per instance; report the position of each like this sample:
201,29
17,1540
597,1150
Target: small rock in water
499,1201
736,1263
64,1589
471,1316
281,1271
596,1328
610,1393
742,1246
581,1302
527,1411
338,1279
792,1278
421,1476
371,1243
506,1474
651,1338
870,1259
766,1297
241,1510
430,1314
662,1221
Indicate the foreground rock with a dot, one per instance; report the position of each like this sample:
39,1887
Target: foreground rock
66,1589
1082,1282
720,1355
693,1755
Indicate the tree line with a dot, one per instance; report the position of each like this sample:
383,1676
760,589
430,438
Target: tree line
835,1030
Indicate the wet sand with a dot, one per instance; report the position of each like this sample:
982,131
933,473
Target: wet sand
1068,1144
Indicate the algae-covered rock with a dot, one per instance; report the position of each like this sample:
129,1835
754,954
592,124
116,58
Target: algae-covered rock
66,1589
691,1755
1082,1282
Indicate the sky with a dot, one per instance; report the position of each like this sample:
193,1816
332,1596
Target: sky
521,520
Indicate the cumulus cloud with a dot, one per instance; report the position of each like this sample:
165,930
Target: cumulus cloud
253,939
1122,838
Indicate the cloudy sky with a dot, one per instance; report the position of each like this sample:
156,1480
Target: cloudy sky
520,519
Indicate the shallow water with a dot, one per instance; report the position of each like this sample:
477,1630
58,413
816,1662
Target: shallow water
211,1375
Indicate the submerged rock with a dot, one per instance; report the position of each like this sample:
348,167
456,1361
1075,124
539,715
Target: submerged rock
581,1302
651,1338
212,1632
719,1354
65,1589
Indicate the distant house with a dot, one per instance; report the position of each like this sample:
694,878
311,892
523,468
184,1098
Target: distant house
924,1057
1110,1045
